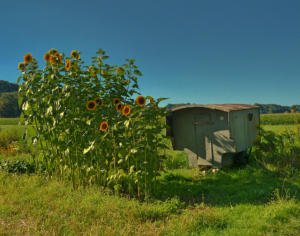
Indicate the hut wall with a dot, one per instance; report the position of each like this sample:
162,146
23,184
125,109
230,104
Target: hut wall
242,127
203,131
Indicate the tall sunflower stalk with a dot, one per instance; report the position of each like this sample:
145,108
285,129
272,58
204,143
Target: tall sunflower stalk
92,123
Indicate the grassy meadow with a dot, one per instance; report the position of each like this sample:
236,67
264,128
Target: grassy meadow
249,200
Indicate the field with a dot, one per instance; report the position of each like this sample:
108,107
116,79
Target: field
252,200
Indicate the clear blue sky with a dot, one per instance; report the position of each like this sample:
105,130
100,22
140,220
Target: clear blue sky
197,51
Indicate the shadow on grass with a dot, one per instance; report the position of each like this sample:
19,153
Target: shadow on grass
250,185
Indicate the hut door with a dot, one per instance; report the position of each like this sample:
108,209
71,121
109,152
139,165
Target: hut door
199,120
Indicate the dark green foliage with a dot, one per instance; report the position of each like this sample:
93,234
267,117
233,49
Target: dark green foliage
18,166
9,105
6,86
277,152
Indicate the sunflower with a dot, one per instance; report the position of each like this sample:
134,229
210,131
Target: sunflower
99,101
75,54
91,105
53,51
103,126
116,101
21,66
68,65
119,106
47,57
140,100
151,100
126,110
27,58
55,59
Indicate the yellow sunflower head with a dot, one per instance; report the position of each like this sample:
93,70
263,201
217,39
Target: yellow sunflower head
126,110
27,58
91,105
116,101
21,66
119,106
103,126
53,51
68,65
47,57
55,58
75,54
140,100
99,101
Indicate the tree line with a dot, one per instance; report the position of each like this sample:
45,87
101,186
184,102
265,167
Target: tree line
9,103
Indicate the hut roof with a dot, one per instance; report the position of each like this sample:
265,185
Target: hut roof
220,107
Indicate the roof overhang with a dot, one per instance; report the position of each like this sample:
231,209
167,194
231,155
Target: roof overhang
220,107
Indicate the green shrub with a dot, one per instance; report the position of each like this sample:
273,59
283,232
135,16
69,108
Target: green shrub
18,166
277,151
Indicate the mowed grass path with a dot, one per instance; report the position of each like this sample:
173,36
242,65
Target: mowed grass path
248,201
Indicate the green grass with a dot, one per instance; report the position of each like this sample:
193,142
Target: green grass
246,201
9,121
236,202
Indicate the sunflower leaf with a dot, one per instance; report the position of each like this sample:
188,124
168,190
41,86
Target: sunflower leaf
49,111
137,72
133,150
25,106
161,99
126,123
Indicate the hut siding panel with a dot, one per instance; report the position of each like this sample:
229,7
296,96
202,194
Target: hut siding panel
183,132
242,130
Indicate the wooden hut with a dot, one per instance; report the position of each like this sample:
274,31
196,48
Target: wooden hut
211,134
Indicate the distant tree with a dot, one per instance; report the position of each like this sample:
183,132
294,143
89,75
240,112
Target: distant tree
6,86
9,105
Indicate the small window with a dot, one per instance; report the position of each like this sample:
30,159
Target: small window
250,116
